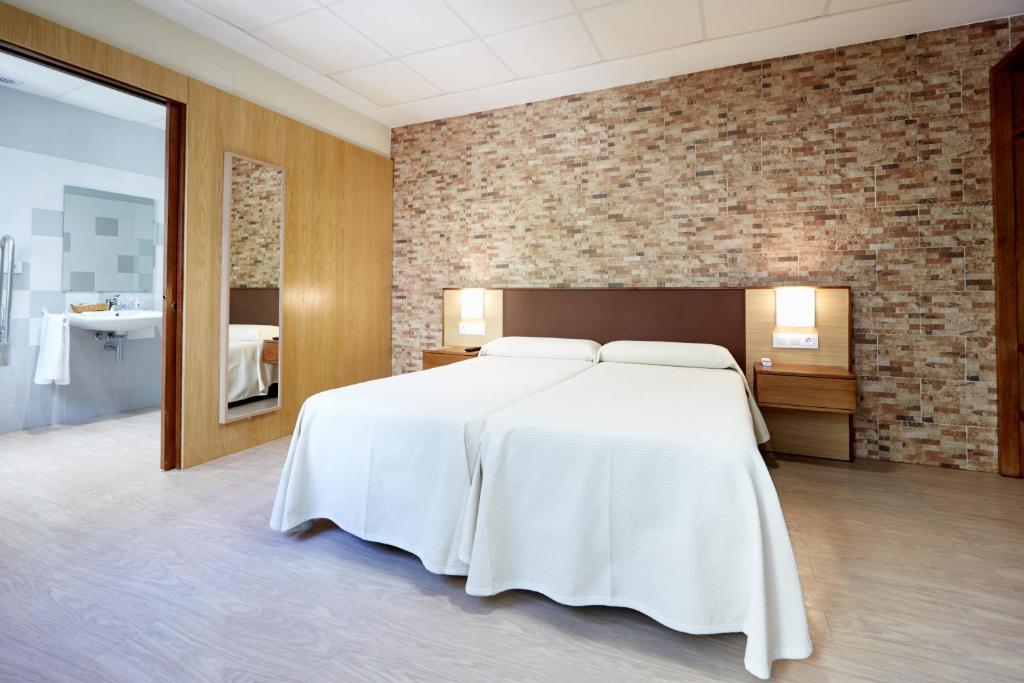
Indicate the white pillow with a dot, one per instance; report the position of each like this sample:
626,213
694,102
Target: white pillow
542,347
252,332
680,354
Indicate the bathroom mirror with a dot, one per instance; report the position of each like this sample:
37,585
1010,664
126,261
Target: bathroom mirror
251,278
109,241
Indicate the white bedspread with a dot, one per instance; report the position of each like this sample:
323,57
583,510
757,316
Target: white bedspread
639,486
248,375
391,460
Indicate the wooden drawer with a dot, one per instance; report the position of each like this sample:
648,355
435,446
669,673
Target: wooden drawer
270,351
808,393
435,359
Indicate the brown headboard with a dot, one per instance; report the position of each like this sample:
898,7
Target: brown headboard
254,306
710,316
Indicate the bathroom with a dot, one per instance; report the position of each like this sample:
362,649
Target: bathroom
82,194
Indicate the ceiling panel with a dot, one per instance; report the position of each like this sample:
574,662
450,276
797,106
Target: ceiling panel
387,83
637,27
837,6
404,26
729,17
548,47
321,41
488,16
460,67
431,52
248,15
587,4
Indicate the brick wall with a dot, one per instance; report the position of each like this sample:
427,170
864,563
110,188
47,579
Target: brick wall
865,166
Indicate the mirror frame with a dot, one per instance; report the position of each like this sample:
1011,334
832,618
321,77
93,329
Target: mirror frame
225,291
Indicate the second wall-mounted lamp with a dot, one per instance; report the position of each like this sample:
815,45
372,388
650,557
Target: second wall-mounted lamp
794,308
471,319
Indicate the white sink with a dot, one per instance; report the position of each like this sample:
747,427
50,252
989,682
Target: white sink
117,322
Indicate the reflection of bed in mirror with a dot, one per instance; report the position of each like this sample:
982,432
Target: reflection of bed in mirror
253,335
251,279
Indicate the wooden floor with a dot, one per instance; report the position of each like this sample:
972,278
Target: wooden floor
113,571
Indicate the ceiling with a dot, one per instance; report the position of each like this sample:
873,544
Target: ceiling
37,79
408,61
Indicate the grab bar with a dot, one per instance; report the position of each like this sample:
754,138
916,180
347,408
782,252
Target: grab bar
6,290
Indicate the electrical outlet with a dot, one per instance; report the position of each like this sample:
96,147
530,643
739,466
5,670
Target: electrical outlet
795,340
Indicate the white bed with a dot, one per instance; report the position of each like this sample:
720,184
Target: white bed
391,460
640,486
248,375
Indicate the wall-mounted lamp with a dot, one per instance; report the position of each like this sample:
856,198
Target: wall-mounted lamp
471,320
794,307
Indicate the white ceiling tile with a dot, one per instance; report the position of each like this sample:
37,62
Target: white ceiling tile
587,4
247,15
404,26
838,6
729,17
387,83
637,27
35,78
113,103
321,41
464,66
488,16
554,45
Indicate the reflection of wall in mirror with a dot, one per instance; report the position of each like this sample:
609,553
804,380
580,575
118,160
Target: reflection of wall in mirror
257,193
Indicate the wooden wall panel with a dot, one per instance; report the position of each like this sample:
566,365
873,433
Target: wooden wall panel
823,435
832,318
35,33
337,265
452,312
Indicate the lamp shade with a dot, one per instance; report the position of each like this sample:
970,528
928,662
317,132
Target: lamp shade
794,307
471,318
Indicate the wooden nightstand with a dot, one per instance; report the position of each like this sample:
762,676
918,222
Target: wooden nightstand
807,407
446,355
270,351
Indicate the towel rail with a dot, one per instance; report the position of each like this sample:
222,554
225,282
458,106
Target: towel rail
6,293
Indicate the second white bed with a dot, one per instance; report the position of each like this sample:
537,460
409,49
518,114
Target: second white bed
640,486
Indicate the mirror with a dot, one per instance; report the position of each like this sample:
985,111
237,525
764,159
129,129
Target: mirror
109,241
251,278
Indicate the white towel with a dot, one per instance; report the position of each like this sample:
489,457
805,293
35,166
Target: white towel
54,350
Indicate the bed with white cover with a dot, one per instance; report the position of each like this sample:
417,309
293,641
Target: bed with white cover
248,376
639,484
391,460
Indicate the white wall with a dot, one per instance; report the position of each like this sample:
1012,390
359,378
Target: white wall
141,31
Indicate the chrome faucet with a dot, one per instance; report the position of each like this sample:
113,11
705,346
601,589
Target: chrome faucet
114,302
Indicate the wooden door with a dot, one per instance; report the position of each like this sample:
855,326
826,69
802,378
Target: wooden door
1007,96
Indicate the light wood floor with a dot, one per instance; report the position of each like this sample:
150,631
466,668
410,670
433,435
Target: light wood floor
112,570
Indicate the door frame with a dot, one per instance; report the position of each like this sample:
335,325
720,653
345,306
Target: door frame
174,245
1005,207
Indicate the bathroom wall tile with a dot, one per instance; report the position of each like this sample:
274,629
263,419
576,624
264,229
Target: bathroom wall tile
53,302
22,281
47,255
20,304
47,222
42,413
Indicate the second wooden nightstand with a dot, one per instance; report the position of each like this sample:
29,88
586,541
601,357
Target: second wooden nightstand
435,358
807,407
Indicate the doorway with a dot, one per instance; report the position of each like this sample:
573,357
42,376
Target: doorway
1007,93
91,272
